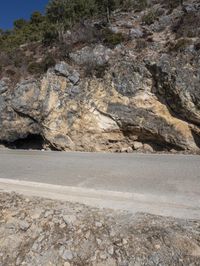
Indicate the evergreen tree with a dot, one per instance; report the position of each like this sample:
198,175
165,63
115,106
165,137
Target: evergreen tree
19,24
37,18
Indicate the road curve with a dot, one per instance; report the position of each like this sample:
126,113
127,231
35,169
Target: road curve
160,184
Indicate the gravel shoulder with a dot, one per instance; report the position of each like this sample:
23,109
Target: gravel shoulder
35,231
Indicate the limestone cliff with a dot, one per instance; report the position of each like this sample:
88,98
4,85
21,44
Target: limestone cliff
142,94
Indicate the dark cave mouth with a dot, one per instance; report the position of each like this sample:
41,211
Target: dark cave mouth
31,142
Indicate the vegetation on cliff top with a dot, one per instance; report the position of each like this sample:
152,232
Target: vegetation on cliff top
60,15
34,45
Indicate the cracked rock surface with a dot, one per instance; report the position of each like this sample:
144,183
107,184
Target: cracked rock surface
145,89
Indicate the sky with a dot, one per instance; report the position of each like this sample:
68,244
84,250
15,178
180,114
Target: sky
11,10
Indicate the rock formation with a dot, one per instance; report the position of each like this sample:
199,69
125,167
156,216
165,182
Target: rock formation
146,90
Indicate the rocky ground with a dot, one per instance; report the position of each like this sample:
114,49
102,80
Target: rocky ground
36,231
141,94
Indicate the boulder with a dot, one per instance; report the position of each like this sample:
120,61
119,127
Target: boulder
136,33
137,145
67,71
98,55
148,148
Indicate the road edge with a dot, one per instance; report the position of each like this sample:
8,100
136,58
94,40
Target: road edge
177,207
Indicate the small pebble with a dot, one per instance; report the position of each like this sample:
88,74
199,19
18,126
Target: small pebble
24,226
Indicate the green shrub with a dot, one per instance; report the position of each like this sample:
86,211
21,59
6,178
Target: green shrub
69,12
150,17
111,38
19,24
172,4
37,18
35,68
180,45
50,35
98,71
138,5
140,44
63,14
50,29
10,72
48,62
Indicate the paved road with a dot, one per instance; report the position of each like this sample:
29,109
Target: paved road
164,180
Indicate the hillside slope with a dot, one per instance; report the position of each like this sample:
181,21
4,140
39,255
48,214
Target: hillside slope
138,88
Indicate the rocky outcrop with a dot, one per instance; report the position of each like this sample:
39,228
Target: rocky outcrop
14,123
177,85
146,92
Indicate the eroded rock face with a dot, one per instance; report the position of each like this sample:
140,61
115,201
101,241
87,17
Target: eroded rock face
95,114
13,124
149,95
178,84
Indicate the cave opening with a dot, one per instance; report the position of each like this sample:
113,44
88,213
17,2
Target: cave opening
31,142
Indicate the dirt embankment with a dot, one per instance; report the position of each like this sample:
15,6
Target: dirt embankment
35,231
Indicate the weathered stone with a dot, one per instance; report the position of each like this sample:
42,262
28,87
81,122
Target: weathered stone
130,78
98,224
69,219
67,264
148,148
24,225
136,33
65,253
127,149
111,250
88,55
3,86
103,255
137,145
26,99
48,213
67,71
63,69
74,78
151,97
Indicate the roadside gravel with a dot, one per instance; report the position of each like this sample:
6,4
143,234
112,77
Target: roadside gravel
35,231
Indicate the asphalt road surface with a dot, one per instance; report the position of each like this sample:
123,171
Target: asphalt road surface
160,184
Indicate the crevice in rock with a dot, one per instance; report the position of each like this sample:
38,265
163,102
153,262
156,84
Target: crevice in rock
32,141
24,115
